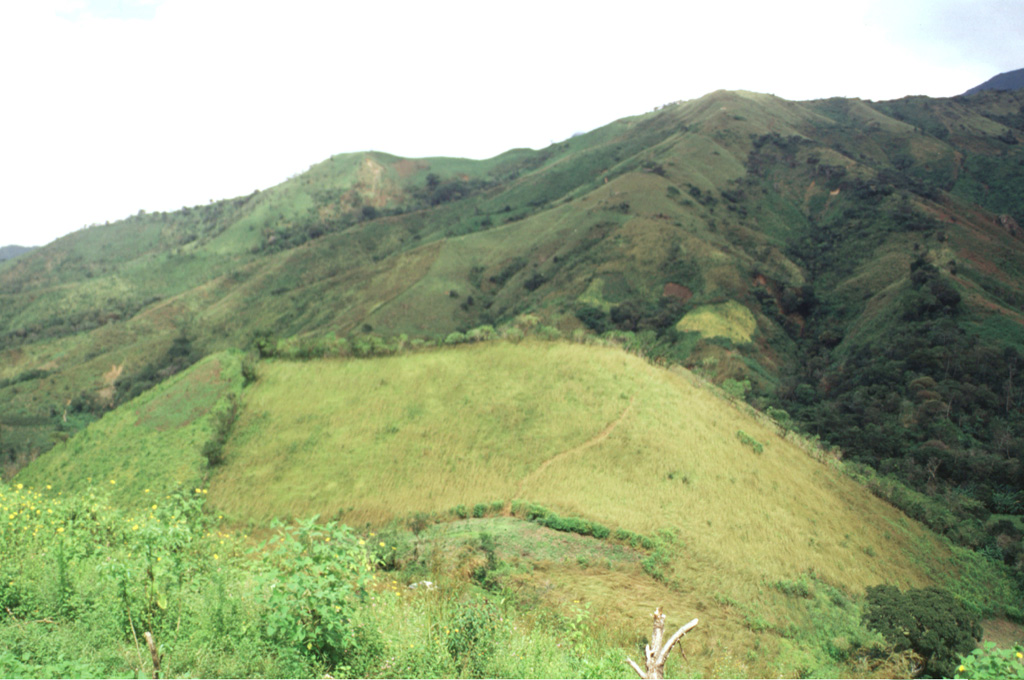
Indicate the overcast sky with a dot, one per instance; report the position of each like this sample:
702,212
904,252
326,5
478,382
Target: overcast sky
111,106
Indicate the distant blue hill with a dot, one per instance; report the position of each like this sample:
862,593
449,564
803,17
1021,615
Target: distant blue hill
11,252
1011,80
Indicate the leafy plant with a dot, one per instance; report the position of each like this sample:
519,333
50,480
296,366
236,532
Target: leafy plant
757,446
736,389
315,577
470,637
989,662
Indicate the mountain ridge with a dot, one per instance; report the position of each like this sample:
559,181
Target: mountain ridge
12,251
455,352
836,225
1010,80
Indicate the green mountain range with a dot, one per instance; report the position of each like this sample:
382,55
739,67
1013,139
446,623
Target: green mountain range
852,268
10,252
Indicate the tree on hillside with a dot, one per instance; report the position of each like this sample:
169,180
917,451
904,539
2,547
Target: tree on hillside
930,621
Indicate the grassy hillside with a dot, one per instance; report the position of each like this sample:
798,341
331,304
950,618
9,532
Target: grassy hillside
159,443
582,430
686,499
808,214
590,432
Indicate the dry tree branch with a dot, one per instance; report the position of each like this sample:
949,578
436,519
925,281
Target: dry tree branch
151,643
656,653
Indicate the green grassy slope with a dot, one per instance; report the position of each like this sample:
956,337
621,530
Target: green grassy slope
580,429
585,431
771,549
590,432
158,443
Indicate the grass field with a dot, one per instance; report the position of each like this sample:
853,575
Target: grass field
591,432
768,545
583,430
152,445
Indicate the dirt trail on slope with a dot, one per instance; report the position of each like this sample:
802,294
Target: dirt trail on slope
593,441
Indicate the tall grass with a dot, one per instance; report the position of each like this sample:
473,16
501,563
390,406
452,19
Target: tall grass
584,430
590,432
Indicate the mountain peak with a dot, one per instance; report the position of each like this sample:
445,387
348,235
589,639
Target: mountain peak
1011,80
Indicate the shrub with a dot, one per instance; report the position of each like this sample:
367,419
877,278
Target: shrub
782,419
548,333
455,338
481,333
929,621
750,441
799,588
736,389
316,576
576,525
470,638
535,281
513,334
594,318
225,413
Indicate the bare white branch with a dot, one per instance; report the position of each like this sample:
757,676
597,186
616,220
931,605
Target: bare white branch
674,639
656,653
636,667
